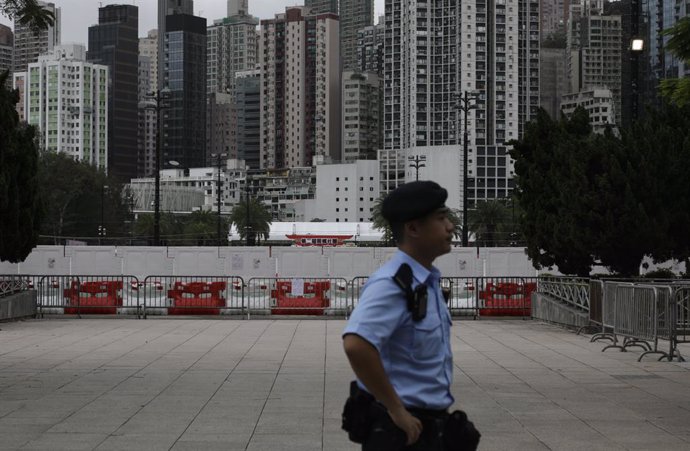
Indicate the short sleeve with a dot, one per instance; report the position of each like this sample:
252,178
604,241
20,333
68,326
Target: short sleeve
380,311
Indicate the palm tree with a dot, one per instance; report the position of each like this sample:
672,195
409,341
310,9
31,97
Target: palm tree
487,220
379,221
27,12
678,89
259,221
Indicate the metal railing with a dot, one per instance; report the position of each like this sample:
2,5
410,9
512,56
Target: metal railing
192,295
80,294
298,296
572,291
11,284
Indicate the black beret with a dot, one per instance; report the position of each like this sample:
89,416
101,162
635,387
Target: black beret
412,201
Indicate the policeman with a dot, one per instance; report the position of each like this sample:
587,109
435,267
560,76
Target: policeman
400,354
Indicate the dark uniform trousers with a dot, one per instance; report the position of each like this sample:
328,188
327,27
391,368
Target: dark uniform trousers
386,436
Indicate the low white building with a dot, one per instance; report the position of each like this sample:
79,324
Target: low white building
347,192
287,231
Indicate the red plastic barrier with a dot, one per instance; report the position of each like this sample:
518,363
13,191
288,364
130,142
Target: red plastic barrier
197,298
507,299
311,302
100,297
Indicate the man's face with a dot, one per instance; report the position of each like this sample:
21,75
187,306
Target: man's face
436,233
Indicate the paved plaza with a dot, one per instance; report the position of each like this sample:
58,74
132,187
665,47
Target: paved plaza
203,384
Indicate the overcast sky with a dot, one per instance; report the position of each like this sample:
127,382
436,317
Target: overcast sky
78,15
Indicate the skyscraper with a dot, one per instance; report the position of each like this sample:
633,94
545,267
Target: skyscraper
594,51
238,7
300,79
29,43
434,53
354,15
361,133
114,42
322,6
166,8
231,47
148,84
184,118
6,52
65,100
247,111
370,47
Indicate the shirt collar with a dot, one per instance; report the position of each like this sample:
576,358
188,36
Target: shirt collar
419,272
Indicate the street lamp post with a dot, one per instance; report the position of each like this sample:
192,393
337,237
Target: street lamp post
465,106
157,98
219,192
417,162
247,226
101,227
636,48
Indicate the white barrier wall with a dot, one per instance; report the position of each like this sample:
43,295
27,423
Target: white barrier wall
248,262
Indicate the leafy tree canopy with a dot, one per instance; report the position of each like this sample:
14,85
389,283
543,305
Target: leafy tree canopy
27,12
259,223
677,90
599,199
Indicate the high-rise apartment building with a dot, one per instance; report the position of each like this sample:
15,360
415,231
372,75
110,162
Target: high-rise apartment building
553,80
148,85
553,16
184,118
354,15
148,47
65,97
6,53
322,6
370,47
594,51
114,42
247,106
362,116
231,47
166,8
434,53
29,43
300,79
238,7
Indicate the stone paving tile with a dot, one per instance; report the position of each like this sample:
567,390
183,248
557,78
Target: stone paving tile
188,384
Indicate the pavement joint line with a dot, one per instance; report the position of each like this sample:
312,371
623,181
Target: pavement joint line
275,378
226,377
114,433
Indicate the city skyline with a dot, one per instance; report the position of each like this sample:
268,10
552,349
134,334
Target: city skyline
76,19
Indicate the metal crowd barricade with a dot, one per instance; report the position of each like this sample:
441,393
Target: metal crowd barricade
355,291
505,296
297,296
462,295
193,295
88,294
680,319
608,312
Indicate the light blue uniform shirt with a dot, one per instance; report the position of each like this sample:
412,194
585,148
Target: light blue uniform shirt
416,355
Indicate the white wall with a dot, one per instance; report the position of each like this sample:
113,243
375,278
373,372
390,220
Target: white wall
248,262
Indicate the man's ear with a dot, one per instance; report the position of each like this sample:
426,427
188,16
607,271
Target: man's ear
412,228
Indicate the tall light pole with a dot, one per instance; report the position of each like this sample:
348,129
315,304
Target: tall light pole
417,162
101,227
219,191
465,106
247,226
157,98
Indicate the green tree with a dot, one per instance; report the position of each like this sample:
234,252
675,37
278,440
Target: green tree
259,225
487,221
677,90
76,194
27,12
171,228
201,228
549,186
379,222
21,210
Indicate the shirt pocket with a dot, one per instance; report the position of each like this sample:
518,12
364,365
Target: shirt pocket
428,343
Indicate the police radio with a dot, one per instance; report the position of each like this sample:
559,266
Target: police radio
417,298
